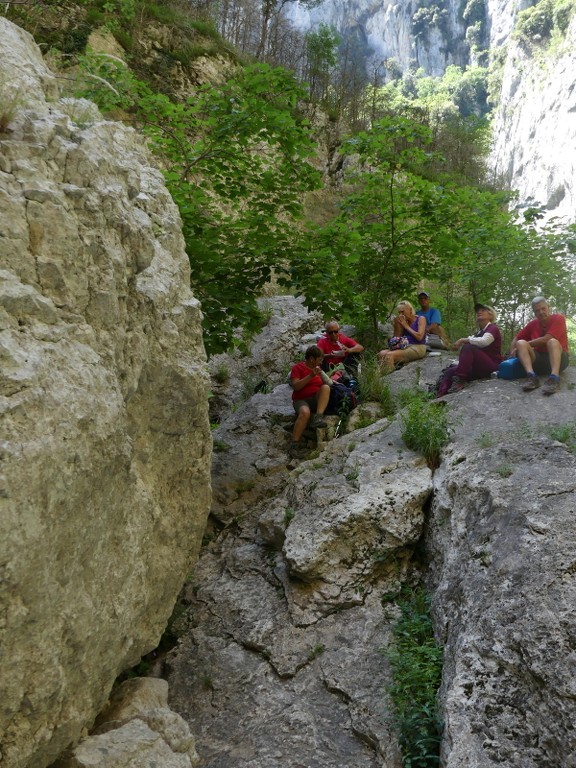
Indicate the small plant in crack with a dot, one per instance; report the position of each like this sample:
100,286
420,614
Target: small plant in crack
416,662
318,650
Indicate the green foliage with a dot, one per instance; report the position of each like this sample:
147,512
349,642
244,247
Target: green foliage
407,217
236,159
416,662
321,50
11,100
428,16
373,252
459,92
564,433
373,386
222,374
563,11
535,24
486,440
318,650
505,470
425,426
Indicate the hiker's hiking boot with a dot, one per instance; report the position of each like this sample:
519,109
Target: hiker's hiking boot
551,385
317,421
297,451
457,385
532,383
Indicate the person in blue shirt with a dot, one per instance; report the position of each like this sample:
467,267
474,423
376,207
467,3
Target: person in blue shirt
433,321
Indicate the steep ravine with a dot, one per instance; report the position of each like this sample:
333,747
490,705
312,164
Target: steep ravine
281,663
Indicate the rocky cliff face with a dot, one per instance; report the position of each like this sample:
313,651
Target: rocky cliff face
535,123
390,31
104,485
535,126
294,596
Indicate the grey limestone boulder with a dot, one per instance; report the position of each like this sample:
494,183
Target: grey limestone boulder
136,728
105,441
502,549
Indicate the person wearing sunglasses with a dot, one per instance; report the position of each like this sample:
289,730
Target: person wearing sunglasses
338,348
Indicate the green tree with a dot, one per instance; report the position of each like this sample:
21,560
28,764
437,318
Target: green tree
322,57
236,159
406,218
376,249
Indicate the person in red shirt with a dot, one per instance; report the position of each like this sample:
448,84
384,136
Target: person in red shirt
310,395
338,348
542,347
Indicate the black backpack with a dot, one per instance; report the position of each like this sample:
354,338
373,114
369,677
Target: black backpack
342,399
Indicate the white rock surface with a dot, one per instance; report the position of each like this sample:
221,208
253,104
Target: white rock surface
104,482
534,147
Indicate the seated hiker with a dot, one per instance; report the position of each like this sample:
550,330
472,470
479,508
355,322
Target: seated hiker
338,348
409,340
434,330
480,354
310,395
542,347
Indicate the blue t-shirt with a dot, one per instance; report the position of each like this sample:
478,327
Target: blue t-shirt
432,315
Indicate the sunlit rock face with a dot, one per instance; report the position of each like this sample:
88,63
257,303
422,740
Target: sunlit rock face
535,123
389,30
104,441
535,127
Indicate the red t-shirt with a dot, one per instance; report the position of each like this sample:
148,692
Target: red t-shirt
327,345
556,327
300,371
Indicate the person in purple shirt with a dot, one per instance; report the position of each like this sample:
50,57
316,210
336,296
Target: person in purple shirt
480,354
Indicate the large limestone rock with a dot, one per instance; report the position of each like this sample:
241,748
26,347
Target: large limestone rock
282,663
290,604
502,552
105,442
137,729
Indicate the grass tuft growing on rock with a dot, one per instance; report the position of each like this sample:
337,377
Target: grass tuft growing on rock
424,425
416,662
374,387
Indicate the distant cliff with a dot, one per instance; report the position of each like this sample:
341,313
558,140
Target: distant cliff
105,439
535,120
534,147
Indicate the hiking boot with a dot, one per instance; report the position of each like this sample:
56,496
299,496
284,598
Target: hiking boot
297,451
457,385
317,421
551,385
532,383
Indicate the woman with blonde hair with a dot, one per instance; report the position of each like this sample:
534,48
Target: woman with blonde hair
409,340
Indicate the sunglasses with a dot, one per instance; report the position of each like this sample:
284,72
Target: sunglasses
330,332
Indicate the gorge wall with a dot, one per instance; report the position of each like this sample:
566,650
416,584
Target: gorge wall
105,441
534,135
534,149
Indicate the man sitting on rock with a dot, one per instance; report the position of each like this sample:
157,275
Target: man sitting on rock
542,347
338,348
311,392
433,322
